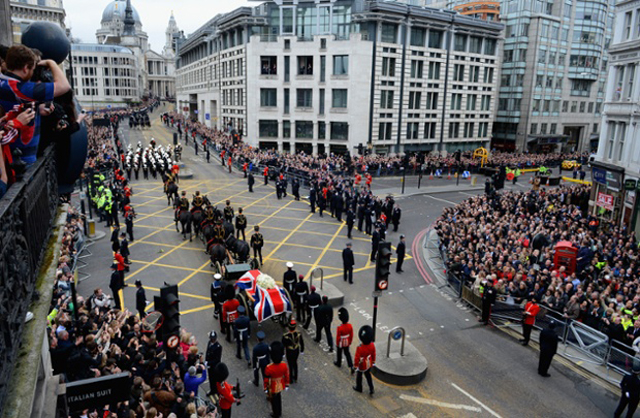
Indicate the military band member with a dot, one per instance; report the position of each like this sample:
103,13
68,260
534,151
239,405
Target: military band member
257,242
294,346
260,358
276,379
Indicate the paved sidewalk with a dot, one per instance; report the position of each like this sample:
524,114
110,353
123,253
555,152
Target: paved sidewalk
566,355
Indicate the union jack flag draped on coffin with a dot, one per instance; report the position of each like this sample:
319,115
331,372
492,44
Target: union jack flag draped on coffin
270,302
248,282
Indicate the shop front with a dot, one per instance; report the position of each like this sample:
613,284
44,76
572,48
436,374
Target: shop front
607,193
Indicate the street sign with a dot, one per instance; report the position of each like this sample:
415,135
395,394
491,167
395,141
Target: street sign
376,294
98,391
630,184
207,116
195,111
397,335
108,106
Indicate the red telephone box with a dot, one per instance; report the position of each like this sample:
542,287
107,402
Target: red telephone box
565,255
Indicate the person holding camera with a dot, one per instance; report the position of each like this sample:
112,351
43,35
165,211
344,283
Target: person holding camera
17,89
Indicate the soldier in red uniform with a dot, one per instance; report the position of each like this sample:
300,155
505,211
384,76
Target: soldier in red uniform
365,358
266,175
531,310
229,311
276,378
244,169
224,390
229,163
222,153
344,338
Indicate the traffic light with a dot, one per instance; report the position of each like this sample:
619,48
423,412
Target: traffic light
383,266
458,155
170,309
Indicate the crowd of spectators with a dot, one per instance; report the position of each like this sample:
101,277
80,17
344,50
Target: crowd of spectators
105,341
509,239
375,164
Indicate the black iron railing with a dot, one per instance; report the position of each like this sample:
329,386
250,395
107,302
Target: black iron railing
26,215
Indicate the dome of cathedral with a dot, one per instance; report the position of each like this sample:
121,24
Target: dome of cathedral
117,8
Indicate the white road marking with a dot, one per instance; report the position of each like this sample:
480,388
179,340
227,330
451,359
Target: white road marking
443,200
468,194
431,329
440,404
489,410
421,286
409,415
441,326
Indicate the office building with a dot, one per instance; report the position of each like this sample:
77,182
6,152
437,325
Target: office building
24,12
330,76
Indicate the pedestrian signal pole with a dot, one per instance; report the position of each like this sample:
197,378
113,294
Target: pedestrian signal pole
168,305
458,159
383,269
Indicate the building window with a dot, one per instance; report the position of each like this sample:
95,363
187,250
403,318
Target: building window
458,72
485,103
553,128
287,70
574,106
417,37
534,129
304,98
430,130
488,75
612,138
386,99
305,65
384,131
622,131
286,101
483,129
304,129
460,42
412,130
631,76
268,129
416,68
456,101
414,99
627,25
269,65
288,18
542,56
468,129
489,46
340,64
322,130
286,129
268,97
339,98
388,67
339,130
435,39
389,33
323,68
434,70
432,101
582,107
321,111
454,129
471,101
543,129
474,73
475,45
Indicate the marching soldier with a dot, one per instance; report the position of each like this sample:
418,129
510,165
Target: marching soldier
351,218
216,296
312,199
213,356
395,217
313,303
260,357
229,311
257,241
365,358
228,212
224,389
488,299
293,347
323,317
129,214
141,299
276,379
302,291
344,338
241,224
289,278
244,169
295,189
242,332
375,240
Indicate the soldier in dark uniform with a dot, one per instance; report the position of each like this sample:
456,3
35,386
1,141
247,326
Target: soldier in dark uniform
216,296
313,303
367,219
630,386
302,291
548,348
339,205
323,317
400,252
183,204
395,217
488,299
322,204
213,356
257,241
228,212
350,221
218,233
375,240
347,263
361,210
141,299
241,224
116,284
242,333
295,189
251,181
197,202
278,189
289,278
293,346
260,359
124,249
312,199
